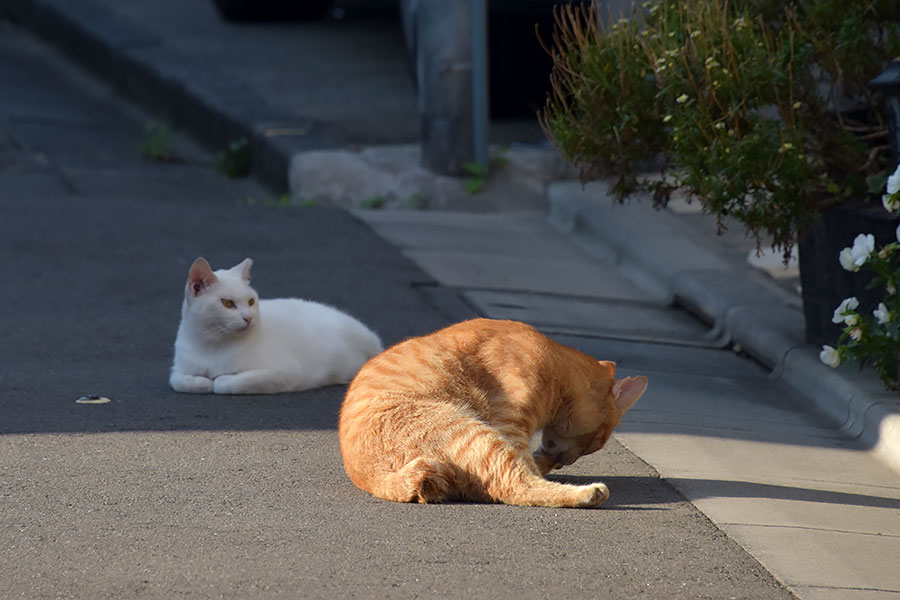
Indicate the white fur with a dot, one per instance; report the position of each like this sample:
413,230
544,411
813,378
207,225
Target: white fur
263,346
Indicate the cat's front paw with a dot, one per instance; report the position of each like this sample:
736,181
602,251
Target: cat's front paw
593,495
191,384
227,384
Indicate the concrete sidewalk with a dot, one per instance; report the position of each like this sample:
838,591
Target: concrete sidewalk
782,458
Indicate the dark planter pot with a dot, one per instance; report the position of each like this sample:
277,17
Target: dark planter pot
271,10
824,282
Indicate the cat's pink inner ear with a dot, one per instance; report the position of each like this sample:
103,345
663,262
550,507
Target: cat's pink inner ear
200,276
244,268
611,367
627,391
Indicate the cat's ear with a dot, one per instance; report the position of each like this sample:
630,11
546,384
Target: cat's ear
627,391
200,277
243,268
610,366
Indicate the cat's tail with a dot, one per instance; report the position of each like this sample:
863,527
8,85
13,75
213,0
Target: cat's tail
423,480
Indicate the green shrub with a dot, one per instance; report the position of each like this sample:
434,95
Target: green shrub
734,102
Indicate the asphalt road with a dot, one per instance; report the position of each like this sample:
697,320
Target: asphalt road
158,495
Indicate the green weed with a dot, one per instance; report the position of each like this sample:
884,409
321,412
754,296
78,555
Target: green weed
235,160
477,177
155,142
374,202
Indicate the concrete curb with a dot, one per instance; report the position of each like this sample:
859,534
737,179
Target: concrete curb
213,108
640,237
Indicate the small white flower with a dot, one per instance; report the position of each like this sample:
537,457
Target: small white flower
856,334
882,314
897,233
890,289
847,306
891,202
863,247
893,182
681,99
864,244
830,356
846,259
667,118
853,258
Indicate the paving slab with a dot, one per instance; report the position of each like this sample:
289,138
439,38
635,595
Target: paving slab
614,316
776,505
836,559
547,275
522,234
820,593
498,252
801,504
633,356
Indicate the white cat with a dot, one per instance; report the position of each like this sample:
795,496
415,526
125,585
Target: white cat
230,342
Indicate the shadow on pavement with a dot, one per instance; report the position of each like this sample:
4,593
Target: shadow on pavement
163,410
711,488
92,292
636,493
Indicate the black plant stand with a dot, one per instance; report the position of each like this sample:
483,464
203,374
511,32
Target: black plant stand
825,283
271,10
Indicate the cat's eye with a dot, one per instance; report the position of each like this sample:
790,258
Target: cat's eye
228,303
251,301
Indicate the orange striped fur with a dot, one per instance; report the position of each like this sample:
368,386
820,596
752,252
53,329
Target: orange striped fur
450,416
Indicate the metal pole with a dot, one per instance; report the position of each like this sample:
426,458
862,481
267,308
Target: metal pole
480,90
444,73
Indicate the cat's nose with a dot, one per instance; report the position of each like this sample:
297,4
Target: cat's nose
247,319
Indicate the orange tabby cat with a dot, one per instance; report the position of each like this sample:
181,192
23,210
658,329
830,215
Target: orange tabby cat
450,415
